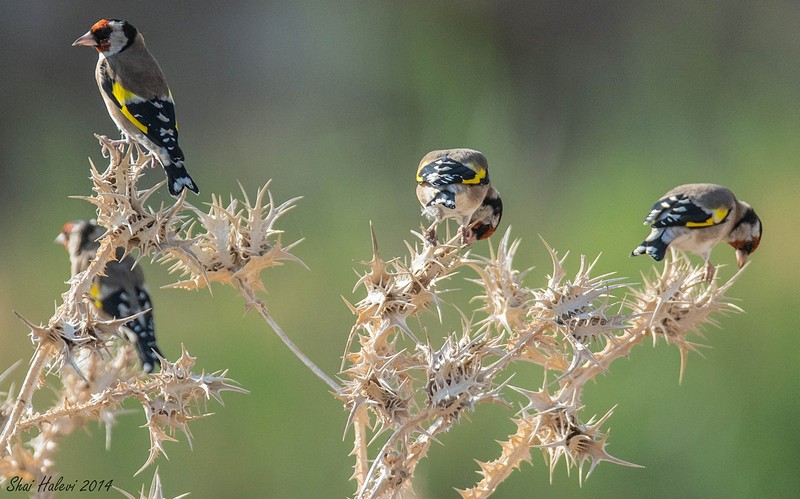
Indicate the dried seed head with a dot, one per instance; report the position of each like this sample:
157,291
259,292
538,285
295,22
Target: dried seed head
121,207
574,313
174,397
234,244
394,296
583,298
382,384
679,301
507,299
560,433
75,329
456,377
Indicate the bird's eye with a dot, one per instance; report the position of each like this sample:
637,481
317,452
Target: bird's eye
103,33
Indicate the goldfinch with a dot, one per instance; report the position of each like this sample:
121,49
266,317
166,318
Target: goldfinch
452,183
120,292
486,218
695,218
137,96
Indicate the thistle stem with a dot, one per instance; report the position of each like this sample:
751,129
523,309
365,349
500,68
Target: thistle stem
261,307
40,357
360,443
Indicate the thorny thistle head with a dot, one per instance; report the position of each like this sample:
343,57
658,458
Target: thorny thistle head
680,301
392,296
456,377
507,299
234,243
576,313
122,208
174,397
76,331
557,430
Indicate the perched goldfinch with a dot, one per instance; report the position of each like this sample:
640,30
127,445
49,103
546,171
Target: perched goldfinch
486,218
120,292
137,96
452,183
695,217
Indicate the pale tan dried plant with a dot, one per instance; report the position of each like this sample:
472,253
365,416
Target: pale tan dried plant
84,353
404,386
404,379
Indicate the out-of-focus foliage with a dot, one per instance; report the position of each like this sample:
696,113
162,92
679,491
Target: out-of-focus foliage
587,111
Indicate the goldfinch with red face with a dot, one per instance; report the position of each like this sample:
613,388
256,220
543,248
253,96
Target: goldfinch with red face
452,183
695,218
137,96
121,292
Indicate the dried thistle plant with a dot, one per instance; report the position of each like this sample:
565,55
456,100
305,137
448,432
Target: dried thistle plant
404,391
401,384
85,352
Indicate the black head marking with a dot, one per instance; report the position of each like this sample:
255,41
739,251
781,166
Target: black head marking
104,29
749,217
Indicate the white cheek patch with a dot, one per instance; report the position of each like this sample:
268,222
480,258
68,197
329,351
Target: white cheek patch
117,40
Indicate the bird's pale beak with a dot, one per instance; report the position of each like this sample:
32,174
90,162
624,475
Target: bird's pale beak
61,239
86,40
741,257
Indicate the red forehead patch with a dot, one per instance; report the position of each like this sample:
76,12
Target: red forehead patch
102,23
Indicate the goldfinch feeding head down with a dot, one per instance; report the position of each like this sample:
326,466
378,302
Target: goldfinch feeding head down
695,218
120,292
137,96
453,183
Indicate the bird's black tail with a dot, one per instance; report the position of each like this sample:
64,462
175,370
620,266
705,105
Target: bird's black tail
178,178
145,341
655,247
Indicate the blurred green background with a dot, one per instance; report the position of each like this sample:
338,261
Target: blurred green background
587,110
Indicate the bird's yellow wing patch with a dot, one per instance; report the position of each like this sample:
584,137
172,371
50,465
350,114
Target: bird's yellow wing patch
95,292
124,96
718,216
480,174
